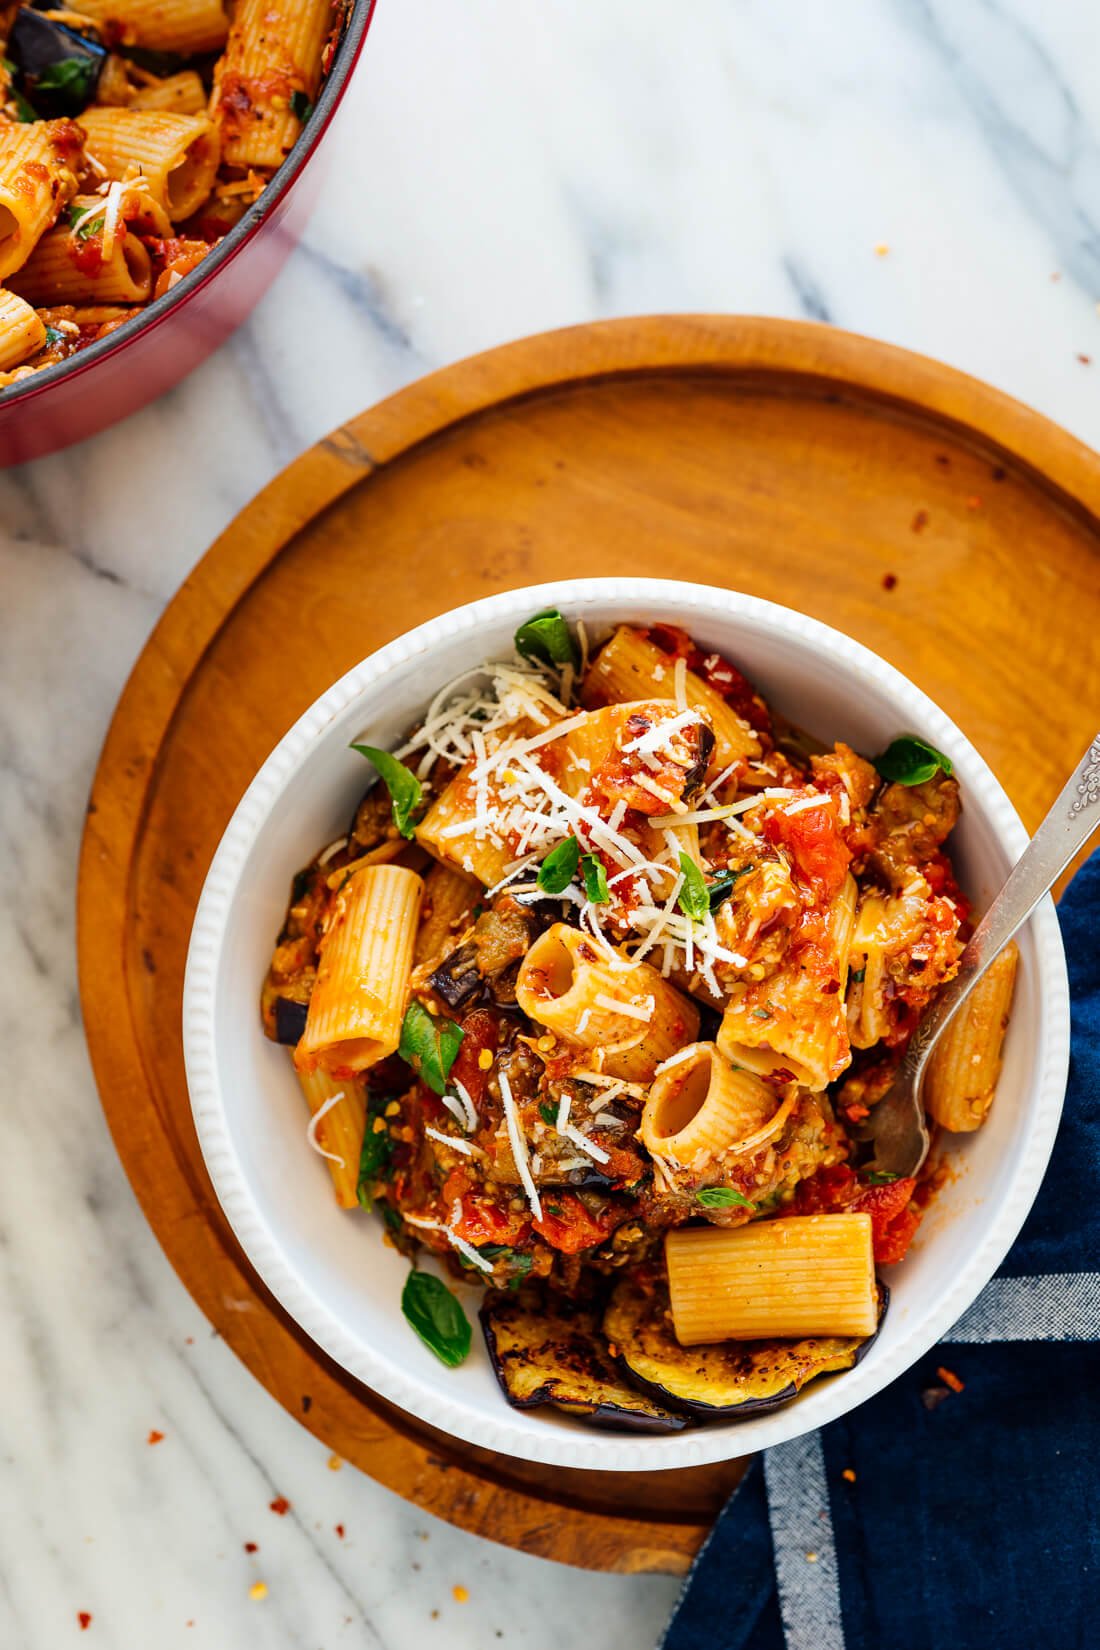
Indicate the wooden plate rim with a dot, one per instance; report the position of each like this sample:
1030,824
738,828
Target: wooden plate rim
752,348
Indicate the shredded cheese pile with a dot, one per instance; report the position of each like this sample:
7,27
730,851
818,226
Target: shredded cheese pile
482,722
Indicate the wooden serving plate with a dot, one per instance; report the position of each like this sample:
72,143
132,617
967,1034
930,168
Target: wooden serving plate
949,528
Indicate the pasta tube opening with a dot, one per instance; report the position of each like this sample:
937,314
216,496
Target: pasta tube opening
629,1016
701,1108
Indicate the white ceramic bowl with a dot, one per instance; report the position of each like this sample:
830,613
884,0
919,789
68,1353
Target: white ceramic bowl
330,1270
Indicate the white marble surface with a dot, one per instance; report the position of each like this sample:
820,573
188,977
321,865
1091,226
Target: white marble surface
500,167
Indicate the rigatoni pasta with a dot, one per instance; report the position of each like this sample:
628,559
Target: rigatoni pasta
814,1275
618,1061
364,963
338,1110
963,1070
629,1016
268,74
56,273
177,94
114,180
631,666
183,26
39,163
21,331
701,1109
176,155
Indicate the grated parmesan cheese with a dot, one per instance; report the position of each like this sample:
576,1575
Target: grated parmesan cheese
311,1132
518,1145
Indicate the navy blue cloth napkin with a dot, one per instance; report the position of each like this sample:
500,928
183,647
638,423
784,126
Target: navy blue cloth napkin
973,1522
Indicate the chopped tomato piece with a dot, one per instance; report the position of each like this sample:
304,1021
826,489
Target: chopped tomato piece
568,1225
837,1189
815,844
893,1222
480,1030
479,1219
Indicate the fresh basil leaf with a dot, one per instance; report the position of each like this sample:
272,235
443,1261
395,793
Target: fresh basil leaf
374,1158
548,1112
437,1317
23,109
560,866
857,976
722,886
878,1177
516,1261
723,1197
392,1218
90,226
545,637
74,78
429,1044
404,787
694,896
53,336
300,106
595,880
911,761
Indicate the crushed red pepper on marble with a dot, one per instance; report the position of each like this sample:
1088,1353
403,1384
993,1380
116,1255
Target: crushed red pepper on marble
84,1617
155,1437
251,1547
339,1528
280,1505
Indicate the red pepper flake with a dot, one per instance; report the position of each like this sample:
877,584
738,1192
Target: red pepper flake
155,1437
251,1547
84,1617
849,1475
307,1403
949,1378
933,1396
889,580
998,472
919,522
856,1113
280,1505
1085,360
339,1528
973,502
190,1341
943,461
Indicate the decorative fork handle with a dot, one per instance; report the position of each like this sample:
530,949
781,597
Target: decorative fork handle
1064,831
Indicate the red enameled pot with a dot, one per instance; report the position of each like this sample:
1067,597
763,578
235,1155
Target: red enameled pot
122,372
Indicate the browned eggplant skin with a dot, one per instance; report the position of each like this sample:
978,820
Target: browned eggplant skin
546,1350
788,1366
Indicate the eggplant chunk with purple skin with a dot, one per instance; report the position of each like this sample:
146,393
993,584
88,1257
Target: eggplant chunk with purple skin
547,1350
731,1380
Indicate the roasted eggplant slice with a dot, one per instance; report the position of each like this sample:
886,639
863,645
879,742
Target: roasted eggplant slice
56,68
290,1020
545,1350
731,1380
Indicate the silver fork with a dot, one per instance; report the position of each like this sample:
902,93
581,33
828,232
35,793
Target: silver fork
897,1125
